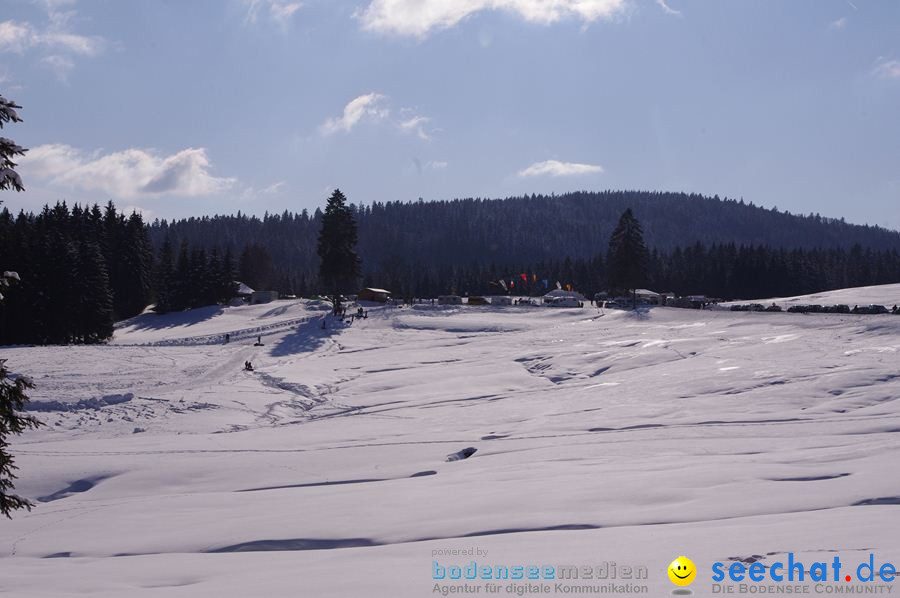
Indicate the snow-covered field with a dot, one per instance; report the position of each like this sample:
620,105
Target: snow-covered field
165,469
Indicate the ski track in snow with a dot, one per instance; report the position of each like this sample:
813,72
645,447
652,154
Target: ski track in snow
715,432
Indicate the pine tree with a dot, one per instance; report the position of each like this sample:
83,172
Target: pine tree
183,284
166,288
211,273
227,289
12,401
197,278
9,178
627,255
256,268
135,262
339,268
12,391
94,317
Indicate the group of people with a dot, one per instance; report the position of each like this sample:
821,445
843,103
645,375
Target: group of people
341,312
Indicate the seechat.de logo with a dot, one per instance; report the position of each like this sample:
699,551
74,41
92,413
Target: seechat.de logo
682,571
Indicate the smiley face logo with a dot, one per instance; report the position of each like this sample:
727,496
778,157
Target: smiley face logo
682,571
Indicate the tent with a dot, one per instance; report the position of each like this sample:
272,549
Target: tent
559,293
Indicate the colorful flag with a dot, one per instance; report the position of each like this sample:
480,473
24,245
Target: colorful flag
524,277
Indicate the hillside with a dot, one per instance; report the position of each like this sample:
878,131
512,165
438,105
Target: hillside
521,230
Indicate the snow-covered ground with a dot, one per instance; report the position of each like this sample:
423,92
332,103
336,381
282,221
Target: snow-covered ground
165,469
887,295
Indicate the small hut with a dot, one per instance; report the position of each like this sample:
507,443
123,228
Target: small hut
371,294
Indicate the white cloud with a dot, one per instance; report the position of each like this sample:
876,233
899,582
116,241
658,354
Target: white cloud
59,64
887,69
420,17
15,37
146,214
668,9
56,41
368,106
430,165
838,24
280,11
125,174
19,37
374,107
415,124
275,187
254,193
557,168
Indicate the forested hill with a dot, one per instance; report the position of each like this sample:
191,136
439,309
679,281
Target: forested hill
524,229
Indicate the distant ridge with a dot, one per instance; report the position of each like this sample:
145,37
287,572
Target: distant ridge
525,229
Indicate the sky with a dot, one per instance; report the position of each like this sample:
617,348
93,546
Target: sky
183,109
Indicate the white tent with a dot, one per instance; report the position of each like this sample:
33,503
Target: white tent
243,290
557,293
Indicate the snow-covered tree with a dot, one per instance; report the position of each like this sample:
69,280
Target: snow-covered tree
12,421
12,390
9,178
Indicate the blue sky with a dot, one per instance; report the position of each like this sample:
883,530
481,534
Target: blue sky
188,108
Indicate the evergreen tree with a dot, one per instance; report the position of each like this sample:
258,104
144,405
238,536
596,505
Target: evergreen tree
12,402
166,288
12,390
94,318
256,269
627,256
135,267
183,284
197,279
9,178
211,273
339,268
227,289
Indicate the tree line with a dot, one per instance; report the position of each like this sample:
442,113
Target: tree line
520,230
727,271
82,268
88,267
85,268
193,278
